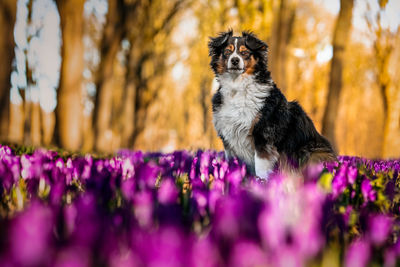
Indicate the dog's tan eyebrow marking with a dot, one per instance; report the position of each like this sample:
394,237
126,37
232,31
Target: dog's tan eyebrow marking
230,47
242,48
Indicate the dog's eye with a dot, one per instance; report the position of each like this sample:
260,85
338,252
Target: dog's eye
245,53
227,52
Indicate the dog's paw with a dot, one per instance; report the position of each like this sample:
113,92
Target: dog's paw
264,167
264,177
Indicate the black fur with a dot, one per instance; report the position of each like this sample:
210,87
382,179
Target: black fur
287,127
283,125
260,53
217,101
216,46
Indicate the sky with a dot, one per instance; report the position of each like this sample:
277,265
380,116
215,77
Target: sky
44,53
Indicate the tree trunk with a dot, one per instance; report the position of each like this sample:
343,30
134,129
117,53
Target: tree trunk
68,132
127,115
36,131
28,104
282,33
114,32
340,38
144,94
8,10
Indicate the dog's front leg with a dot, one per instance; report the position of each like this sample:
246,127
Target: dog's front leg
229,154
228,151
264,162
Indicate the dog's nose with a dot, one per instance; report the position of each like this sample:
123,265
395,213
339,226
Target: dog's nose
235,61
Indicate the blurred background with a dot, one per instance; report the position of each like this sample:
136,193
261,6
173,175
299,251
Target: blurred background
101,75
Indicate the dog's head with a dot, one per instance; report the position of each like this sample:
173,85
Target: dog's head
239,55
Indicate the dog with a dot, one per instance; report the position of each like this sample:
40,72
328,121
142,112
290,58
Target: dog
251,115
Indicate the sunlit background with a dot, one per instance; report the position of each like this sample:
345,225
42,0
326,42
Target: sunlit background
143,80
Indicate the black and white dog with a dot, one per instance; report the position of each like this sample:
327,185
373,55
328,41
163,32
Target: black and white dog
251,115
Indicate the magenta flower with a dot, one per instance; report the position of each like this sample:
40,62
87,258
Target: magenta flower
205,254
358,254
144,207
379,227
30,235
339,182
168,192
367,191
247,254
352,174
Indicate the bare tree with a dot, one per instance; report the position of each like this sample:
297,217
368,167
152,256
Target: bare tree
8,10
32,121
145,63
281,34
384,45
115,30
68,132
340,39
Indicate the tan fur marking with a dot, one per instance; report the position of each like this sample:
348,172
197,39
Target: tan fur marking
221,66
268,154
250,65
242,48
230,47
317,157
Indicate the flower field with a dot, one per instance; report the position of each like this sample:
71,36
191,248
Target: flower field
194,209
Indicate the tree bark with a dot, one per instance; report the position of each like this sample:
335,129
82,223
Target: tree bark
36,129
8,10
127,115
114,32
340,38
28,104
144,95
68,132
282,32
384,47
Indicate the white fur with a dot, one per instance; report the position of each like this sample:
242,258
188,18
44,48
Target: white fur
242,99
263,166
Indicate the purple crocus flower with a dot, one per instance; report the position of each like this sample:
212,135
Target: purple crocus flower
313,172
367,191
143,207
339,182
358,254
128,188
146,174
204,165
204,253
30,235
192,174
379,227
352,174
390,257
73,256
247,254
167,193
125,257
287,256
164,247
234,177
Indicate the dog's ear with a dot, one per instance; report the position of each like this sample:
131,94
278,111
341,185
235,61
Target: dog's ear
216,43
253,43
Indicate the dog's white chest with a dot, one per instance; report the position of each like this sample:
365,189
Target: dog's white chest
242,99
